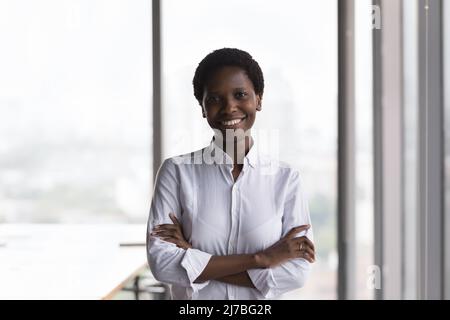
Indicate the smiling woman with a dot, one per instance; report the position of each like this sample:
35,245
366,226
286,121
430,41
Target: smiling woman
221,83
295,43
232,220
229,100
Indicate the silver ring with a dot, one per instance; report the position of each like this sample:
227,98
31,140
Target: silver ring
301,246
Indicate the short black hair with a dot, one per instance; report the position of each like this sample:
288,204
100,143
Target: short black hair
222,58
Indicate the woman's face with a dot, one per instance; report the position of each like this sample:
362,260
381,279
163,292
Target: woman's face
229,100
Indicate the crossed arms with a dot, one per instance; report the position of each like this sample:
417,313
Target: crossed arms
233,268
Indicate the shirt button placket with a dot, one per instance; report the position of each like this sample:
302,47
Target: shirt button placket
234,219
232,248
231,241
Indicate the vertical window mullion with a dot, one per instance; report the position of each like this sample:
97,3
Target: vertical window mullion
431,149
346,150
157,88
446,43
410,149
377,153
388,148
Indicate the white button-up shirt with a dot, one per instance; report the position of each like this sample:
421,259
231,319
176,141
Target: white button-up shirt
221,216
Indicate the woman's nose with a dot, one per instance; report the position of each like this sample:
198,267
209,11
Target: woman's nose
230,106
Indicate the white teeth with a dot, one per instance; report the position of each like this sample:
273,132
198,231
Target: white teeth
231,122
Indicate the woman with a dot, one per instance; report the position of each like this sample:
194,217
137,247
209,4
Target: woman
222,225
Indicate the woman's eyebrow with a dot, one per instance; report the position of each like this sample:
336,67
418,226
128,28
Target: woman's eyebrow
240,88
214,92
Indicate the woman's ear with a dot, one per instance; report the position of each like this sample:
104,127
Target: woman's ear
203,111
259,102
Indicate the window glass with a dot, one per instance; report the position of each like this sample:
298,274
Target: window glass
75,105
295,43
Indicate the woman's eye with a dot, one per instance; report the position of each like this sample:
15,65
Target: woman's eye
212,99
241,94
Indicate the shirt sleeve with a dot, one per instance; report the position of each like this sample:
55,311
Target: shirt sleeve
272,282
167,262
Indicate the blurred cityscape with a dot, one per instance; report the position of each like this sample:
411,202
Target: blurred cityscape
75,100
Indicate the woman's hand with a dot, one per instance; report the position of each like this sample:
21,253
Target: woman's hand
172,233
288,248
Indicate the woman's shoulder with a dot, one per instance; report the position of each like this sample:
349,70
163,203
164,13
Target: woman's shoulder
284,167
192,157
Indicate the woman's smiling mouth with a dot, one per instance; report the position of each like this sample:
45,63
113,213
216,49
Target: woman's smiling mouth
233,122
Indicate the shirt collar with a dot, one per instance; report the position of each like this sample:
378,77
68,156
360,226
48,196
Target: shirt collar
252,156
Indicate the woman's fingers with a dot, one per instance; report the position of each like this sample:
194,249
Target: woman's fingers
179,243
175,225
305,247
161,232
167,233
296,230
173,218
167,226
171,233
305,240
158,231
309,242
307,257
310,252
306,253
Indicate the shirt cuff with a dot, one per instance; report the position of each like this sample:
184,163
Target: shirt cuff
263,281
194,262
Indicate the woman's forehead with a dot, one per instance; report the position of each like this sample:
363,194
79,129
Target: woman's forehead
228,77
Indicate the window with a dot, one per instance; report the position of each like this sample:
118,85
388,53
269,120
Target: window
411,146
364,206
298,55
446,39
75,103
